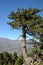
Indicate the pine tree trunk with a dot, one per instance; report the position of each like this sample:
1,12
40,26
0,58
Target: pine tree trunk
24,49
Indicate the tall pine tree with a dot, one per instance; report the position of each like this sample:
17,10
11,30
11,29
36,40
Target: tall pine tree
28,21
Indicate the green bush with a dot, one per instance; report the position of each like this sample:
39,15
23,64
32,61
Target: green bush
10,59
19,61
15,56
1,56
6,54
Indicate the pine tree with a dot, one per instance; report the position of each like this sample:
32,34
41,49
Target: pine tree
28,21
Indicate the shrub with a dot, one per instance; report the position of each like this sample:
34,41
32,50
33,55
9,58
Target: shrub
19,61
15,56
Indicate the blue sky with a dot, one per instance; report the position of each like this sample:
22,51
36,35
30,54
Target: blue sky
6,6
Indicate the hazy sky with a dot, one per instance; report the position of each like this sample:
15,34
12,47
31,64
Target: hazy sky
6,6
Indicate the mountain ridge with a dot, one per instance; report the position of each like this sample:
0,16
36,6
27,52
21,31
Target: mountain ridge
11,45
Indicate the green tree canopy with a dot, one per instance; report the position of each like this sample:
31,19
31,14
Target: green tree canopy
28,18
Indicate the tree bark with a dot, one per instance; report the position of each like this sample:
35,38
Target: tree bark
24,49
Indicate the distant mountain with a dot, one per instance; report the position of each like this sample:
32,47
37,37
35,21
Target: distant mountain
11,45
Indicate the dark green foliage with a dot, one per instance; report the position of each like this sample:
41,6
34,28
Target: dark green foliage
28,18
10,59
1,56
15,56
10,55
19,61
25,17
41,47
5,54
